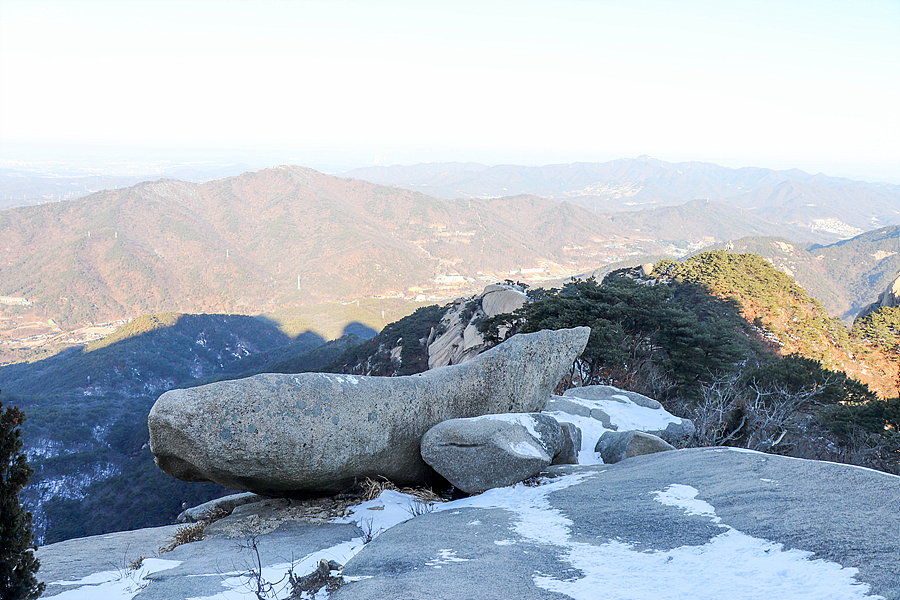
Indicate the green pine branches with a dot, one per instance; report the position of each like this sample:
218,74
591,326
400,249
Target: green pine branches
18,565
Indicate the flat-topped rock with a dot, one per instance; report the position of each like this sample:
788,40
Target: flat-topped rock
698,523
608,392
314,433
216,507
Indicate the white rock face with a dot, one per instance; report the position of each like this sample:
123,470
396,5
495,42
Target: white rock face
460,340
891,296
498,299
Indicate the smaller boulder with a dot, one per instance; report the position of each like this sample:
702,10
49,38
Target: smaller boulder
676,432
568,454
481,453
615,446
218,507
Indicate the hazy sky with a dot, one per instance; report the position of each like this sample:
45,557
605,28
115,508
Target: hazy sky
814,85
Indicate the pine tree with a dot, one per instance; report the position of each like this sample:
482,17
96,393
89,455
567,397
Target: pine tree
18,565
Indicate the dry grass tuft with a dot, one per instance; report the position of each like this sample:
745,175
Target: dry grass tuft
215,514
372,488
184,535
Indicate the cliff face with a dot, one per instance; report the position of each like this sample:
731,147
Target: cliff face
460,340
889,298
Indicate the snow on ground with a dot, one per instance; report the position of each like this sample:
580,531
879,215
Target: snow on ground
121,584
382,513
242,587
591,430
624,415
524,420
731,565
372,517
684,496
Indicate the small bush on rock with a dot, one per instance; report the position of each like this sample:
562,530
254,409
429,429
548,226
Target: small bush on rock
185,535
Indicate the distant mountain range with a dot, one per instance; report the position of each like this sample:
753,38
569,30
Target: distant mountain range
789,197
279,237
28,186
290,236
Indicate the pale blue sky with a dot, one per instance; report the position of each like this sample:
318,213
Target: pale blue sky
814,85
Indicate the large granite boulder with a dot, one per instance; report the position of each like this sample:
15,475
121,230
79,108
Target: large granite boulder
315,433
490,451
616,446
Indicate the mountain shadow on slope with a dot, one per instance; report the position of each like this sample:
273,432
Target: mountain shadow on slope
87,430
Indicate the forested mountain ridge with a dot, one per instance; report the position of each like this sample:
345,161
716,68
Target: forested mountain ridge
280,237
289,236
845,276
797,322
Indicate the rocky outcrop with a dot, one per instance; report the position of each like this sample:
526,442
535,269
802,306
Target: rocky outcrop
619,525
615,446
608,392
460,339
491,451
315,433
889,298
675,433
598,409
